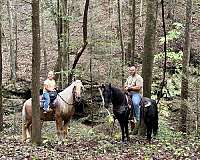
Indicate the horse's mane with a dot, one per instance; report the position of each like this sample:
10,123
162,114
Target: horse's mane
118,95
67,92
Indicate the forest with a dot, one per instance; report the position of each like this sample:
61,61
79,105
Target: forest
72,73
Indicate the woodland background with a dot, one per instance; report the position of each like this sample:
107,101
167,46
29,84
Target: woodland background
100,62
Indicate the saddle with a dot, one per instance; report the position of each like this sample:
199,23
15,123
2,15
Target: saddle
144,103
53,96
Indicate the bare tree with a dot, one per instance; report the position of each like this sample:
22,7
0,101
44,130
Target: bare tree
65,59
81,50
185,65
43,37
121,38
36,125
12,53
1,106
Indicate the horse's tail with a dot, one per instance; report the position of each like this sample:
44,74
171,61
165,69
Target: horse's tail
24,112
24,122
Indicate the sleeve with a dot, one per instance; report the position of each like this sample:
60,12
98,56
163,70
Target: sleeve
139,81
126,83
46,82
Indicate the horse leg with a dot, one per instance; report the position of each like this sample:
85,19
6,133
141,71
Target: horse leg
59,125
29,130
65,128
122,128
126,130
126,118
24,124
149,131
24,128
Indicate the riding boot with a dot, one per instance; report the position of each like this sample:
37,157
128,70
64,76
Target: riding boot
135,130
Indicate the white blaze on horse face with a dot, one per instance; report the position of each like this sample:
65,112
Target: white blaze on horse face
103,101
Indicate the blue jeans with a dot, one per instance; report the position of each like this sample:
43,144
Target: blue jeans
46,99
136,98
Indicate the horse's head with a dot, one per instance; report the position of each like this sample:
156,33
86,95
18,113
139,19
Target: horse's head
78,86
107,94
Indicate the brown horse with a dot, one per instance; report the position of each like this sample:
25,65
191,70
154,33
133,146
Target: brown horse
62,110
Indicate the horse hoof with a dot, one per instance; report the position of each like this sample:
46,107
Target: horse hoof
124,142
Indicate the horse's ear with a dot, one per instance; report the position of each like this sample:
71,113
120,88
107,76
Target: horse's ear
110,85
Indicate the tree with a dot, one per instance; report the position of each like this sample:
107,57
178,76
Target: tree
131,44
1,106
36,125
12,53
121,38
149,43
185,65
65,59
59,26
81,50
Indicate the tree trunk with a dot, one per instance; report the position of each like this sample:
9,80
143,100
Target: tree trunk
131,44
16,41
36,125
58,65
1,106
141,8
81,50
185,65
12,53
133,34
43,39
66,42
121,39
149,43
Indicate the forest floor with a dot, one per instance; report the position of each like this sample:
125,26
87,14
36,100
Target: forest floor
86,142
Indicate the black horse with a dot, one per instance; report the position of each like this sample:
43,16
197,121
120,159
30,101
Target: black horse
120,107
149,111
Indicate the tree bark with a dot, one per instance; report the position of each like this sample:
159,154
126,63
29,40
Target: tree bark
133,34
1,106
131,44
36,125
141,9
121,39
66,42
58,65
43,38
12,53
149,43
185,65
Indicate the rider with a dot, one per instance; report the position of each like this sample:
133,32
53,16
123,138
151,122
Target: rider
49,86
134,85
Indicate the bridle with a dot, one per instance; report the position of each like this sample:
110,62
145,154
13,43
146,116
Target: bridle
74,97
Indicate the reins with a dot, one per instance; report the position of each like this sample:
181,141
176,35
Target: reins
65,100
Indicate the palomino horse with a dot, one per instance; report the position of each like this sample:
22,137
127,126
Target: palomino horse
63,109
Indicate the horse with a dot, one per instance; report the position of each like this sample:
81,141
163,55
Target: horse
120,107
149,111
63,109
